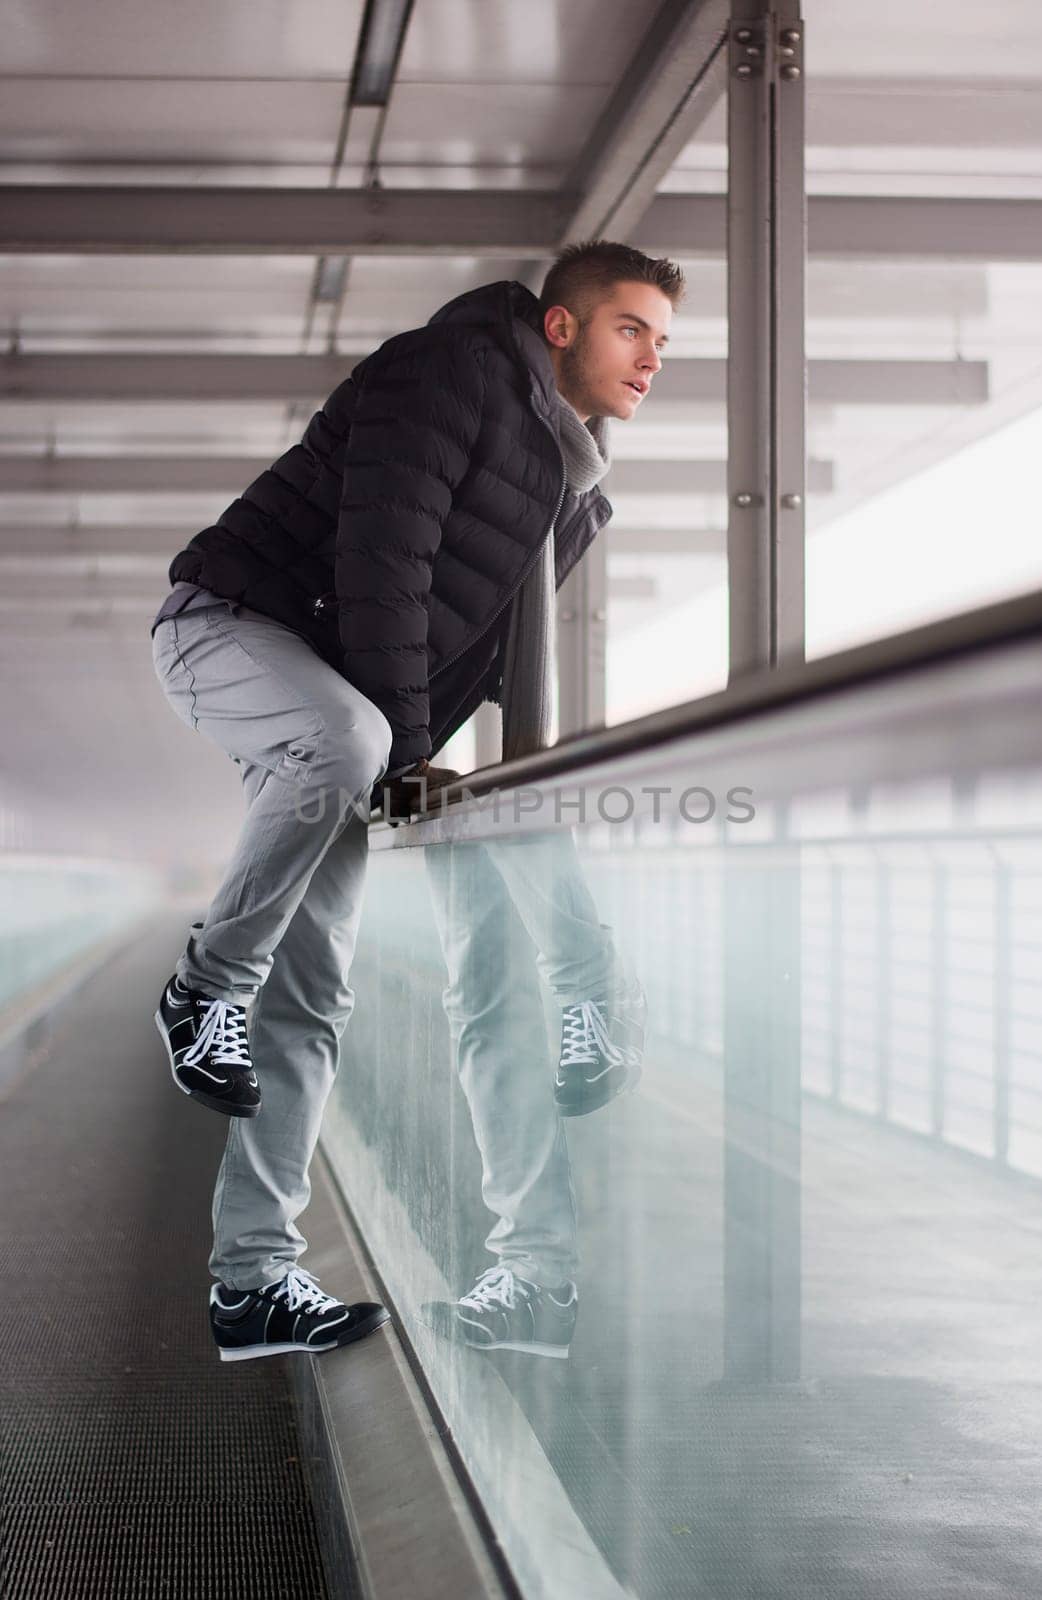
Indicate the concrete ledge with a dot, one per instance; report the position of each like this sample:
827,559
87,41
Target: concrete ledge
392,1515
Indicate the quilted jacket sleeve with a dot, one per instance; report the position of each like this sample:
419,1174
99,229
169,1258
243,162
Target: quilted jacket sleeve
415,422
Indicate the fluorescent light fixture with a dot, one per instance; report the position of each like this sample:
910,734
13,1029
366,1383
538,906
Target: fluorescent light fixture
380,45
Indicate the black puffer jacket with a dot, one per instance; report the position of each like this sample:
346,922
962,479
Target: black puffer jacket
394,536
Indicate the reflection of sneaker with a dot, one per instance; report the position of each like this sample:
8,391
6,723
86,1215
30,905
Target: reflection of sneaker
292,1314
602,1047
207,1048
505,1312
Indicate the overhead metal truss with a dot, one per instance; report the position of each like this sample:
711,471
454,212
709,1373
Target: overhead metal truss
149,541
280,379
86,219
192,474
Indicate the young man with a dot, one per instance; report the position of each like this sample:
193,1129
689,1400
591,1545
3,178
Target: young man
335,627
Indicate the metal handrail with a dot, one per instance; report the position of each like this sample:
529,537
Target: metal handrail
773,689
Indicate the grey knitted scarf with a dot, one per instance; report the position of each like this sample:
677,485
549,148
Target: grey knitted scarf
530,658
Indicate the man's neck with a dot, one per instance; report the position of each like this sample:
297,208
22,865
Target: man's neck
556,361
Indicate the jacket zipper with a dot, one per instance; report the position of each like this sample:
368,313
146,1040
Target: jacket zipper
526,569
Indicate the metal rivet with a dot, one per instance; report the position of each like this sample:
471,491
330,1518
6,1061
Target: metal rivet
789,73
744,35
792,502
744,71
743,499
791,36
753,52
786,50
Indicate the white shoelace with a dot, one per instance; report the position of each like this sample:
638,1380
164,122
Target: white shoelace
496,1286
301,1292
224,1030
586,1032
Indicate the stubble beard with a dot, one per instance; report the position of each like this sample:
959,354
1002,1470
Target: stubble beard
575,377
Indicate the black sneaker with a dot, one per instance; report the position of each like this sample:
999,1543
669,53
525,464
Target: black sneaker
602,1048
292,1314
209,1056
506,1312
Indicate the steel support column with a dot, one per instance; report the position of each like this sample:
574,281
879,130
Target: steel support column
582,620
488,735
766,385
766,405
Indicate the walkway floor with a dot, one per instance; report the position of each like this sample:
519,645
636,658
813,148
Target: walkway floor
136,1464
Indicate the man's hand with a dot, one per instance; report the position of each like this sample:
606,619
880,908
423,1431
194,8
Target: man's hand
412,791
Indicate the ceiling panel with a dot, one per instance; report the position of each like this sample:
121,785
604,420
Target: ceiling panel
385,296
920,38
580,42
935,135
110,297
925,113
190,511
172,120
504,124
182,38
107,428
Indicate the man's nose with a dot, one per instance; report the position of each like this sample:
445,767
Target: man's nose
651,362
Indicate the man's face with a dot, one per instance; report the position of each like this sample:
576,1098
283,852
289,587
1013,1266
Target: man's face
604,368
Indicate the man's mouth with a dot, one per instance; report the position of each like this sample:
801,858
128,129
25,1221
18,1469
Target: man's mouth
639,389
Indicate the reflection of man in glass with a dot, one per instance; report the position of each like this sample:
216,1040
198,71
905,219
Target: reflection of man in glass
510,909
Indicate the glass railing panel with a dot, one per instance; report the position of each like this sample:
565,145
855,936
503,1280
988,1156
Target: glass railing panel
804,1243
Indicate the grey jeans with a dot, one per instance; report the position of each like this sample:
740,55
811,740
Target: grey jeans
283,923
509,912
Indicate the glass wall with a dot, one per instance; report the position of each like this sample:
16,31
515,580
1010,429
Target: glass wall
799,1356
933,462
925,359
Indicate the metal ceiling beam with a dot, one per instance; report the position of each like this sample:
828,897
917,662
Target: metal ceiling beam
665,541
694,477
86,474
281,379
135,539
863,227
879,383
128,474
132,220
931,229
47,609
69,579
145,573
64,219
161,542
104,376
675,79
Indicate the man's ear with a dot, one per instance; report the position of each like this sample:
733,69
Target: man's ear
558,327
